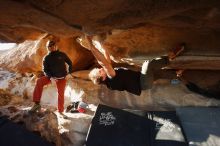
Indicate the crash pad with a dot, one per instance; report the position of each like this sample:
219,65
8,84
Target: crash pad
116,127
201,125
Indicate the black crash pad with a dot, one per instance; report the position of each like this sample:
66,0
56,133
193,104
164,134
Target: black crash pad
115,127
12,134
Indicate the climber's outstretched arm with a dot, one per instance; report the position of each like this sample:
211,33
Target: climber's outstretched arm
103,60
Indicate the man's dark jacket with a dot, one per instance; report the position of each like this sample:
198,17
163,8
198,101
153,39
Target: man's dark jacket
54,64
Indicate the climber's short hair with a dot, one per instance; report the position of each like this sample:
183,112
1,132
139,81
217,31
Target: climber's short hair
94,75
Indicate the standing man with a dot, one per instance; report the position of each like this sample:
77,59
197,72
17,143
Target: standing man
54,69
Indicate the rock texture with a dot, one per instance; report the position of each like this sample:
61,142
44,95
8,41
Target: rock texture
134,29
27,56
71,129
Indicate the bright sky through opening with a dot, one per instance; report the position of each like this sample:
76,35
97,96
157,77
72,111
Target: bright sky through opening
6,46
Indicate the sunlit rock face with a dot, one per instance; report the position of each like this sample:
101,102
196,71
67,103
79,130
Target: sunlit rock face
24,57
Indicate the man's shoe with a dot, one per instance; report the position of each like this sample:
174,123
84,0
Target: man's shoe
72,106
35,108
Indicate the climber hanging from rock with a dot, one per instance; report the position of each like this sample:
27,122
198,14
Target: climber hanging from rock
122,78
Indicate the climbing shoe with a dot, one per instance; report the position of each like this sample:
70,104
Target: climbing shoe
35,108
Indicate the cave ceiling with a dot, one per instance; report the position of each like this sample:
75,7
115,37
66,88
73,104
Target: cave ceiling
134,27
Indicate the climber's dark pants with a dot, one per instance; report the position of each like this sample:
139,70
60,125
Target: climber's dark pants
148,69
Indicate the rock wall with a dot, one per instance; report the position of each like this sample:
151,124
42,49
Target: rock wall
28,56
133,30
